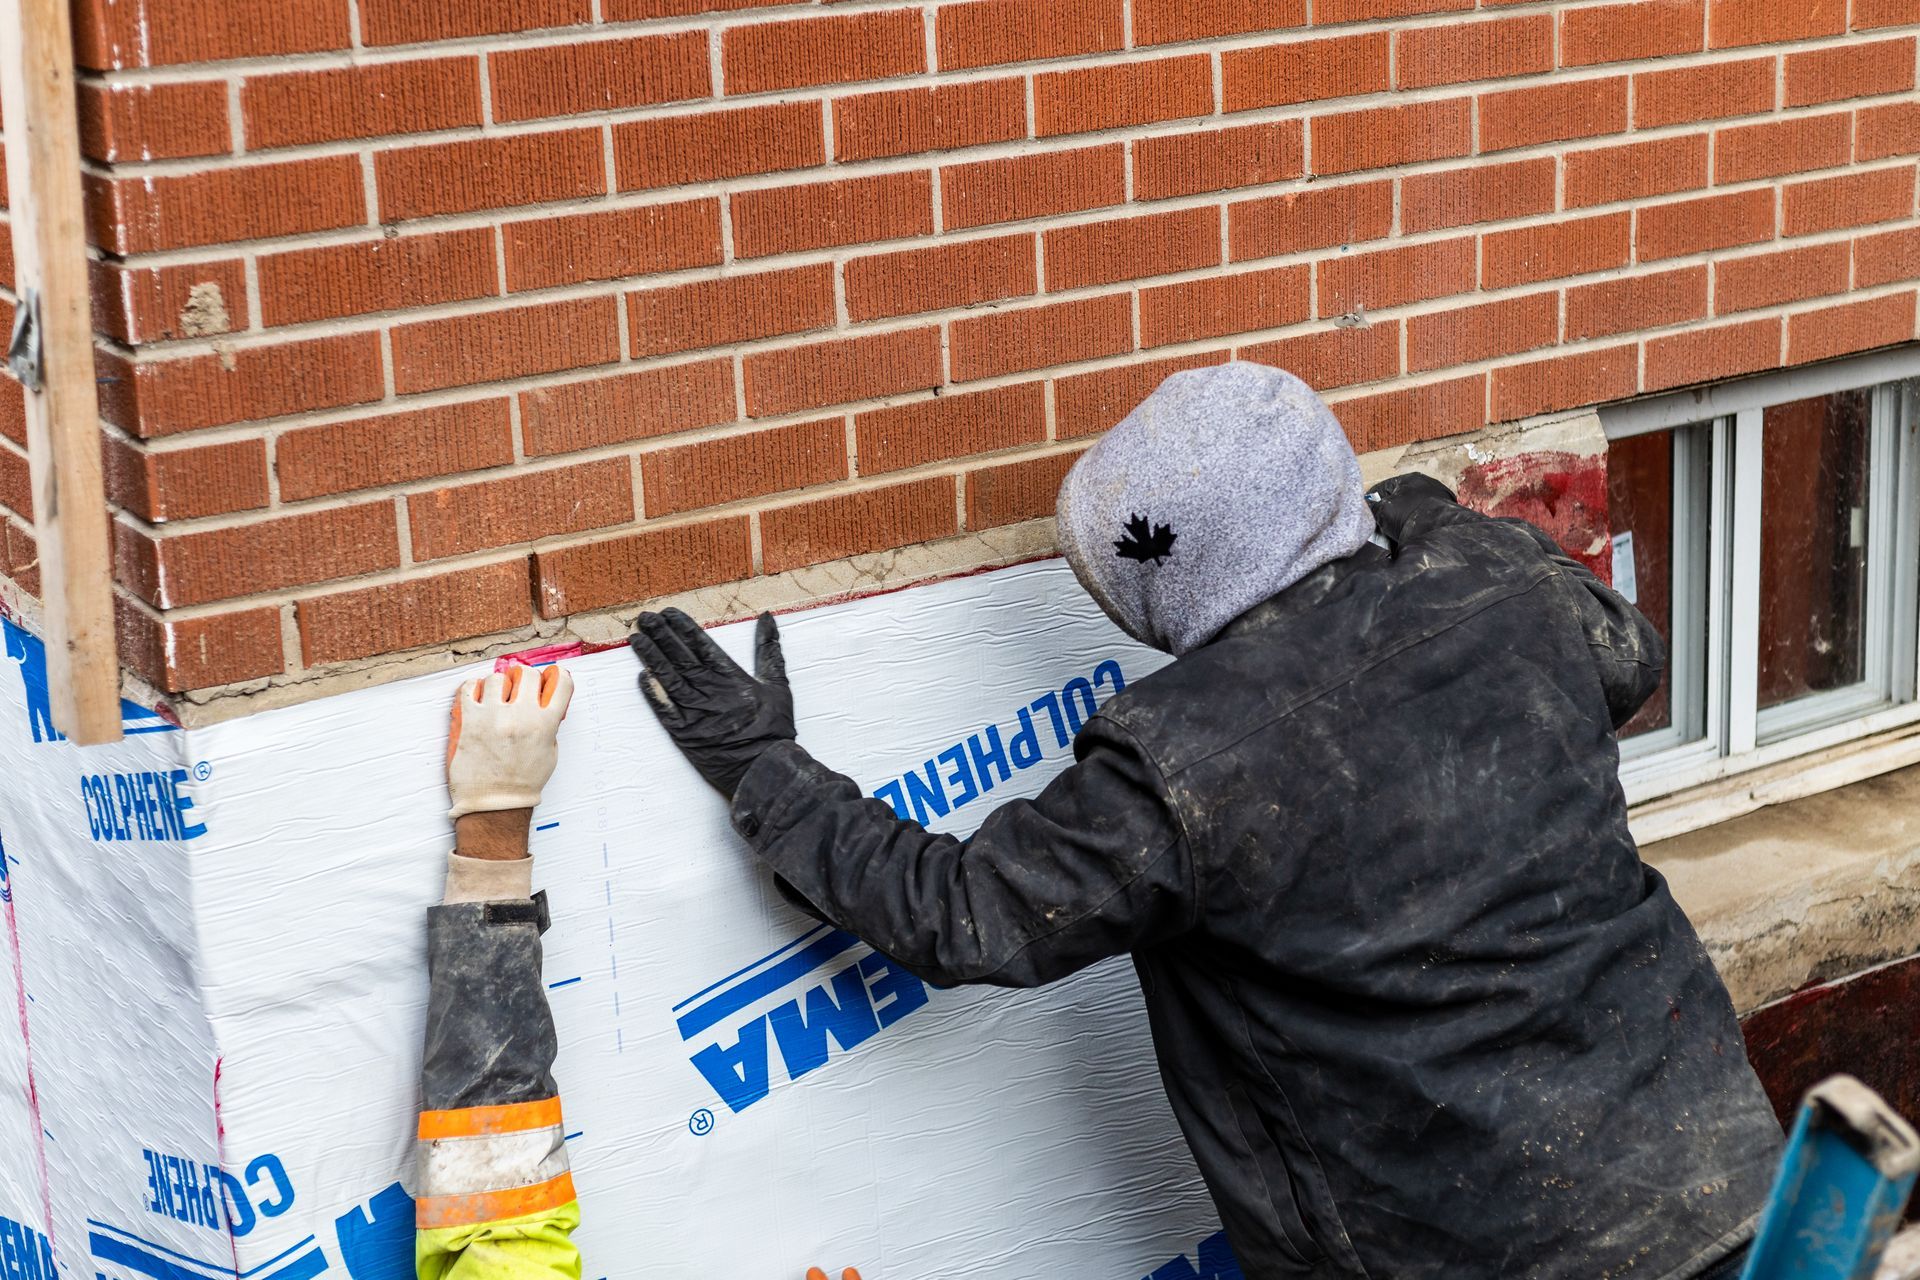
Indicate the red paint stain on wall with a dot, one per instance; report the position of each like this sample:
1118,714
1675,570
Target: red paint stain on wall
1564,493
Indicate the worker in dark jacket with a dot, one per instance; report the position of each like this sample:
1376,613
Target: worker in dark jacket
1419,1007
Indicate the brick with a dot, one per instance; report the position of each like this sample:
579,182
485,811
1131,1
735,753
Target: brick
1769,279
250,202
1706,355
1085,403
1624,32
1390,277
488,346
1382,137
749,465
898,122
1091,253
960,274
1793,145
520,508
13,412
629,406
1891,130
1650,301
489,173
112,35
1710,92
1314,218
1036,337
1017,491
887,206
393,448
1868,14
1428,412
377,275
1850,327
1185,164
1170,21
1326,12
1032,186
760,57
1553,250
1851,70
1850,200
153,121
1634,170
1573,381
199,653
642,566
182,484
1741,22
667,151
19,557
1467,335
16,483
1479,192
1305,71
1887,257
950,426
365,101
1488,50
155,304
1711,222
984,32
612,244
1335,357
842,370
849,524
1127,93
713,313
405,22
266,555
598,75
1225,304
1552,112
244,384
396,616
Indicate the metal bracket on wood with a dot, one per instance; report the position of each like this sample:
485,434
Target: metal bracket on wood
23,348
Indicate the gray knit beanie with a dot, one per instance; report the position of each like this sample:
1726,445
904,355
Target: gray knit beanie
1224,487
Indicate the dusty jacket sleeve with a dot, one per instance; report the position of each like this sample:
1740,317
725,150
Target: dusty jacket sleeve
1094,866
1628,654
493,1196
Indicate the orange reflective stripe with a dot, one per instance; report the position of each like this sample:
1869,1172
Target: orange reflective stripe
474,1122
492,1206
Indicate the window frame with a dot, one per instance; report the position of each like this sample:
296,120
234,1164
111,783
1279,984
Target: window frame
1722,489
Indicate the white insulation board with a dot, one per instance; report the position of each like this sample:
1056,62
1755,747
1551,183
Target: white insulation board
214,938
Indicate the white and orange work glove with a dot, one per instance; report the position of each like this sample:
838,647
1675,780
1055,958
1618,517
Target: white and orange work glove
815,1273
504,742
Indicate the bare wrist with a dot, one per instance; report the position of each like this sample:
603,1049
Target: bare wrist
497,835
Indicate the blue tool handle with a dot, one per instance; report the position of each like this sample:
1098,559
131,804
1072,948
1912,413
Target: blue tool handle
1844,1181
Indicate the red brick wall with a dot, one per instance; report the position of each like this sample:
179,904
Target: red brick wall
424,321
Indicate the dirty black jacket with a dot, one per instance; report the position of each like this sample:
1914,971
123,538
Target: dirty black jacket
1420,1008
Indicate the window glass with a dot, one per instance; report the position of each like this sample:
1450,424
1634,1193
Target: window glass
1813,545
1640,509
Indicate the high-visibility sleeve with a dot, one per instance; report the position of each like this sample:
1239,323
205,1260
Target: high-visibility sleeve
493,1192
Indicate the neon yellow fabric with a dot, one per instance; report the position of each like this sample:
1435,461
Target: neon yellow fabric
535,1246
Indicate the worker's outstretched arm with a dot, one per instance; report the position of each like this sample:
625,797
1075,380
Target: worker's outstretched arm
1628,654
494,1198
1094,867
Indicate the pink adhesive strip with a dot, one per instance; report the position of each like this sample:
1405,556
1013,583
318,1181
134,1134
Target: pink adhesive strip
539,657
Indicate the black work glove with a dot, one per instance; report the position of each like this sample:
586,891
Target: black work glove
720,717
1395,499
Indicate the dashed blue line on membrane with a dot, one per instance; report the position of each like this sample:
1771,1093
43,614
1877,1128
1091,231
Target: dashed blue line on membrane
564,982
546,826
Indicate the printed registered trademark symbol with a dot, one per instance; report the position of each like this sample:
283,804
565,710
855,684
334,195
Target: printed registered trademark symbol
202,771
701,1123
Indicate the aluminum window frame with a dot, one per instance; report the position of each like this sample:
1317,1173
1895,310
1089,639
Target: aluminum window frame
1719,499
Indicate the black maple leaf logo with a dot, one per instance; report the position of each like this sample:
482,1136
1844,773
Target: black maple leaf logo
1147,543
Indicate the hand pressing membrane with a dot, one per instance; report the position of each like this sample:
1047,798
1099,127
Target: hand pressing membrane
815,1273
720,717
505,738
